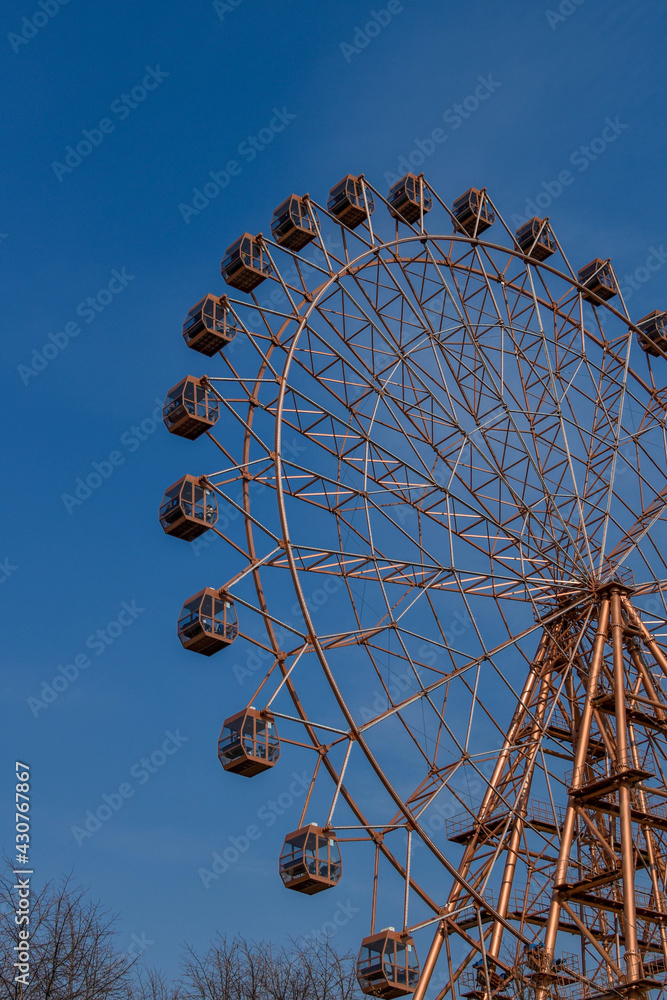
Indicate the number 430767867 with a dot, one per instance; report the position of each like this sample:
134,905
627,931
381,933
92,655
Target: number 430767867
22,827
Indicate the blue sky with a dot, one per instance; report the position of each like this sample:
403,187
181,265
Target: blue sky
103,252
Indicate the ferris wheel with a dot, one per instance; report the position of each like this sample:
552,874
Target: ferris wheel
438,463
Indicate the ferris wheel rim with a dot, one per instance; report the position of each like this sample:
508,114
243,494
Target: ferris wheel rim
314,640
565,628
287,541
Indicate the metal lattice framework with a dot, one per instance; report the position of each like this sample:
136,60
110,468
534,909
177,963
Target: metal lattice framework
443,481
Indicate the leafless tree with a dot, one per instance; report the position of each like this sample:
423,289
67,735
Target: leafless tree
240,970
73,954
151,984
328,975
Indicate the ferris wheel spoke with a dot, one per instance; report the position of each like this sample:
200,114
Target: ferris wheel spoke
495,320
650,587
543,441
476,447
408,437
553,395
605,396
633,537
466,533
471,664
614,445
391,457
375,567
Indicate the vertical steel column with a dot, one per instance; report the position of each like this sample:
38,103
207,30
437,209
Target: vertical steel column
579,761
632,957
650,840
